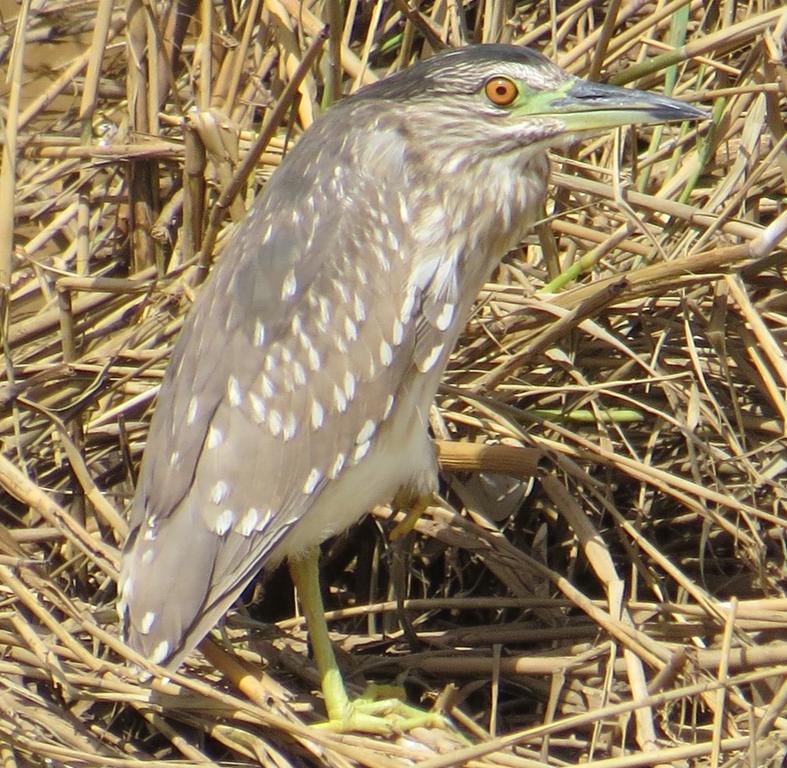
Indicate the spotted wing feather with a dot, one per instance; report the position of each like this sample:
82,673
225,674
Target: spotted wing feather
287,363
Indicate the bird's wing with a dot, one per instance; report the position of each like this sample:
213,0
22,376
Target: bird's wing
287,364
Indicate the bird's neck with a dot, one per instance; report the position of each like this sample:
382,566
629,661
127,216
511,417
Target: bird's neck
459,207
476,211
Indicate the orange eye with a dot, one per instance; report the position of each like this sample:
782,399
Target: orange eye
501,91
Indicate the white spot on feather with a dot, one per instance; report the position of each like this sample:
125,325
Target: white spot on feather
215,437
258,406
349,385
147,622
340,399
219,492
336,467
350,329
224,522
325,312
233,391
312,481
248,522
160,652
423,273
275,423
445,317
404,211
318,414
398,332
361,451
445,277
264,520
259,334
406,312
289,286
389,401
191,413
305,341
266,385
367,430
386,353
427,363
359,309
290,427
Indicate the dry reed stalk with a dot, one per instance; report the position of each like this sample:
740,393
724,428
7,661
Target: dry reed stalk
605,583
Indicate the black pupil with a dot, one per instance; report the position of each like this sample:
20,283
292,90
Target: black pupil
502,90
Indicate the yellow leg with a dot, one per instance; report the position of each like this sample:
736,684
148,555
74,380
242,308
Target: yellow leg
306,575
369,713
414,512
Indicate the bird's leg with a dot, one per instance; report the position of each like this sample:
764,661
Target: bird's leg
413,505
415,508
306,576
369,714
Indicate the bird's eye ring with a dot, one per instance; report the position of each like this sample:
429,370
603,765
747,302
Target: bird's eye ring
501,91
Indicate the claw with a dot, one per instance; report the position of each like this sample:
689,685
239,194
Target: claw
379,710
383,716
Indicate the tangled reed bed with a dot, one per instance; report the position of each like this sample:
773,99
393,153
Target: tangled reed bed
605,584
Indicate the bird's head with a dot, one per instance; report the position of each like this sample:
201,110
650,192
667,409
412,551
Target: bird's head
498,99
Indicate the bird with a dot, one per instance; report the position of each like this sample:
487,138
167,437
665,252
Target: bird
297,395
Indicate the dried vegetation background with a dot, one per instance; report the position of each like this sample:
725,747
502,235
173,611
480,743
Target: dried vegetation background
621,603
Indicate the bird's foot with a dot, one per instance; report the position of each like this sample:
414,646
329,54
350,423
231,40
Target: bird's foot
381,710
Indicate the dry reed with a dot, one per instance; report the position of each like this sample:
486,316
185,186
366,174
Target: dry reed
605,584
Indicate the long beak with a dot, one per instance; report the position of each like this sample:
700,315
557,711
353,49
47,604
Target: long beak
586,106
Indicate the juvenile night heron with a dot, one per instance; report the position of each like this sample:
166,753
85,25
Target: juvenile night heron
298,392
